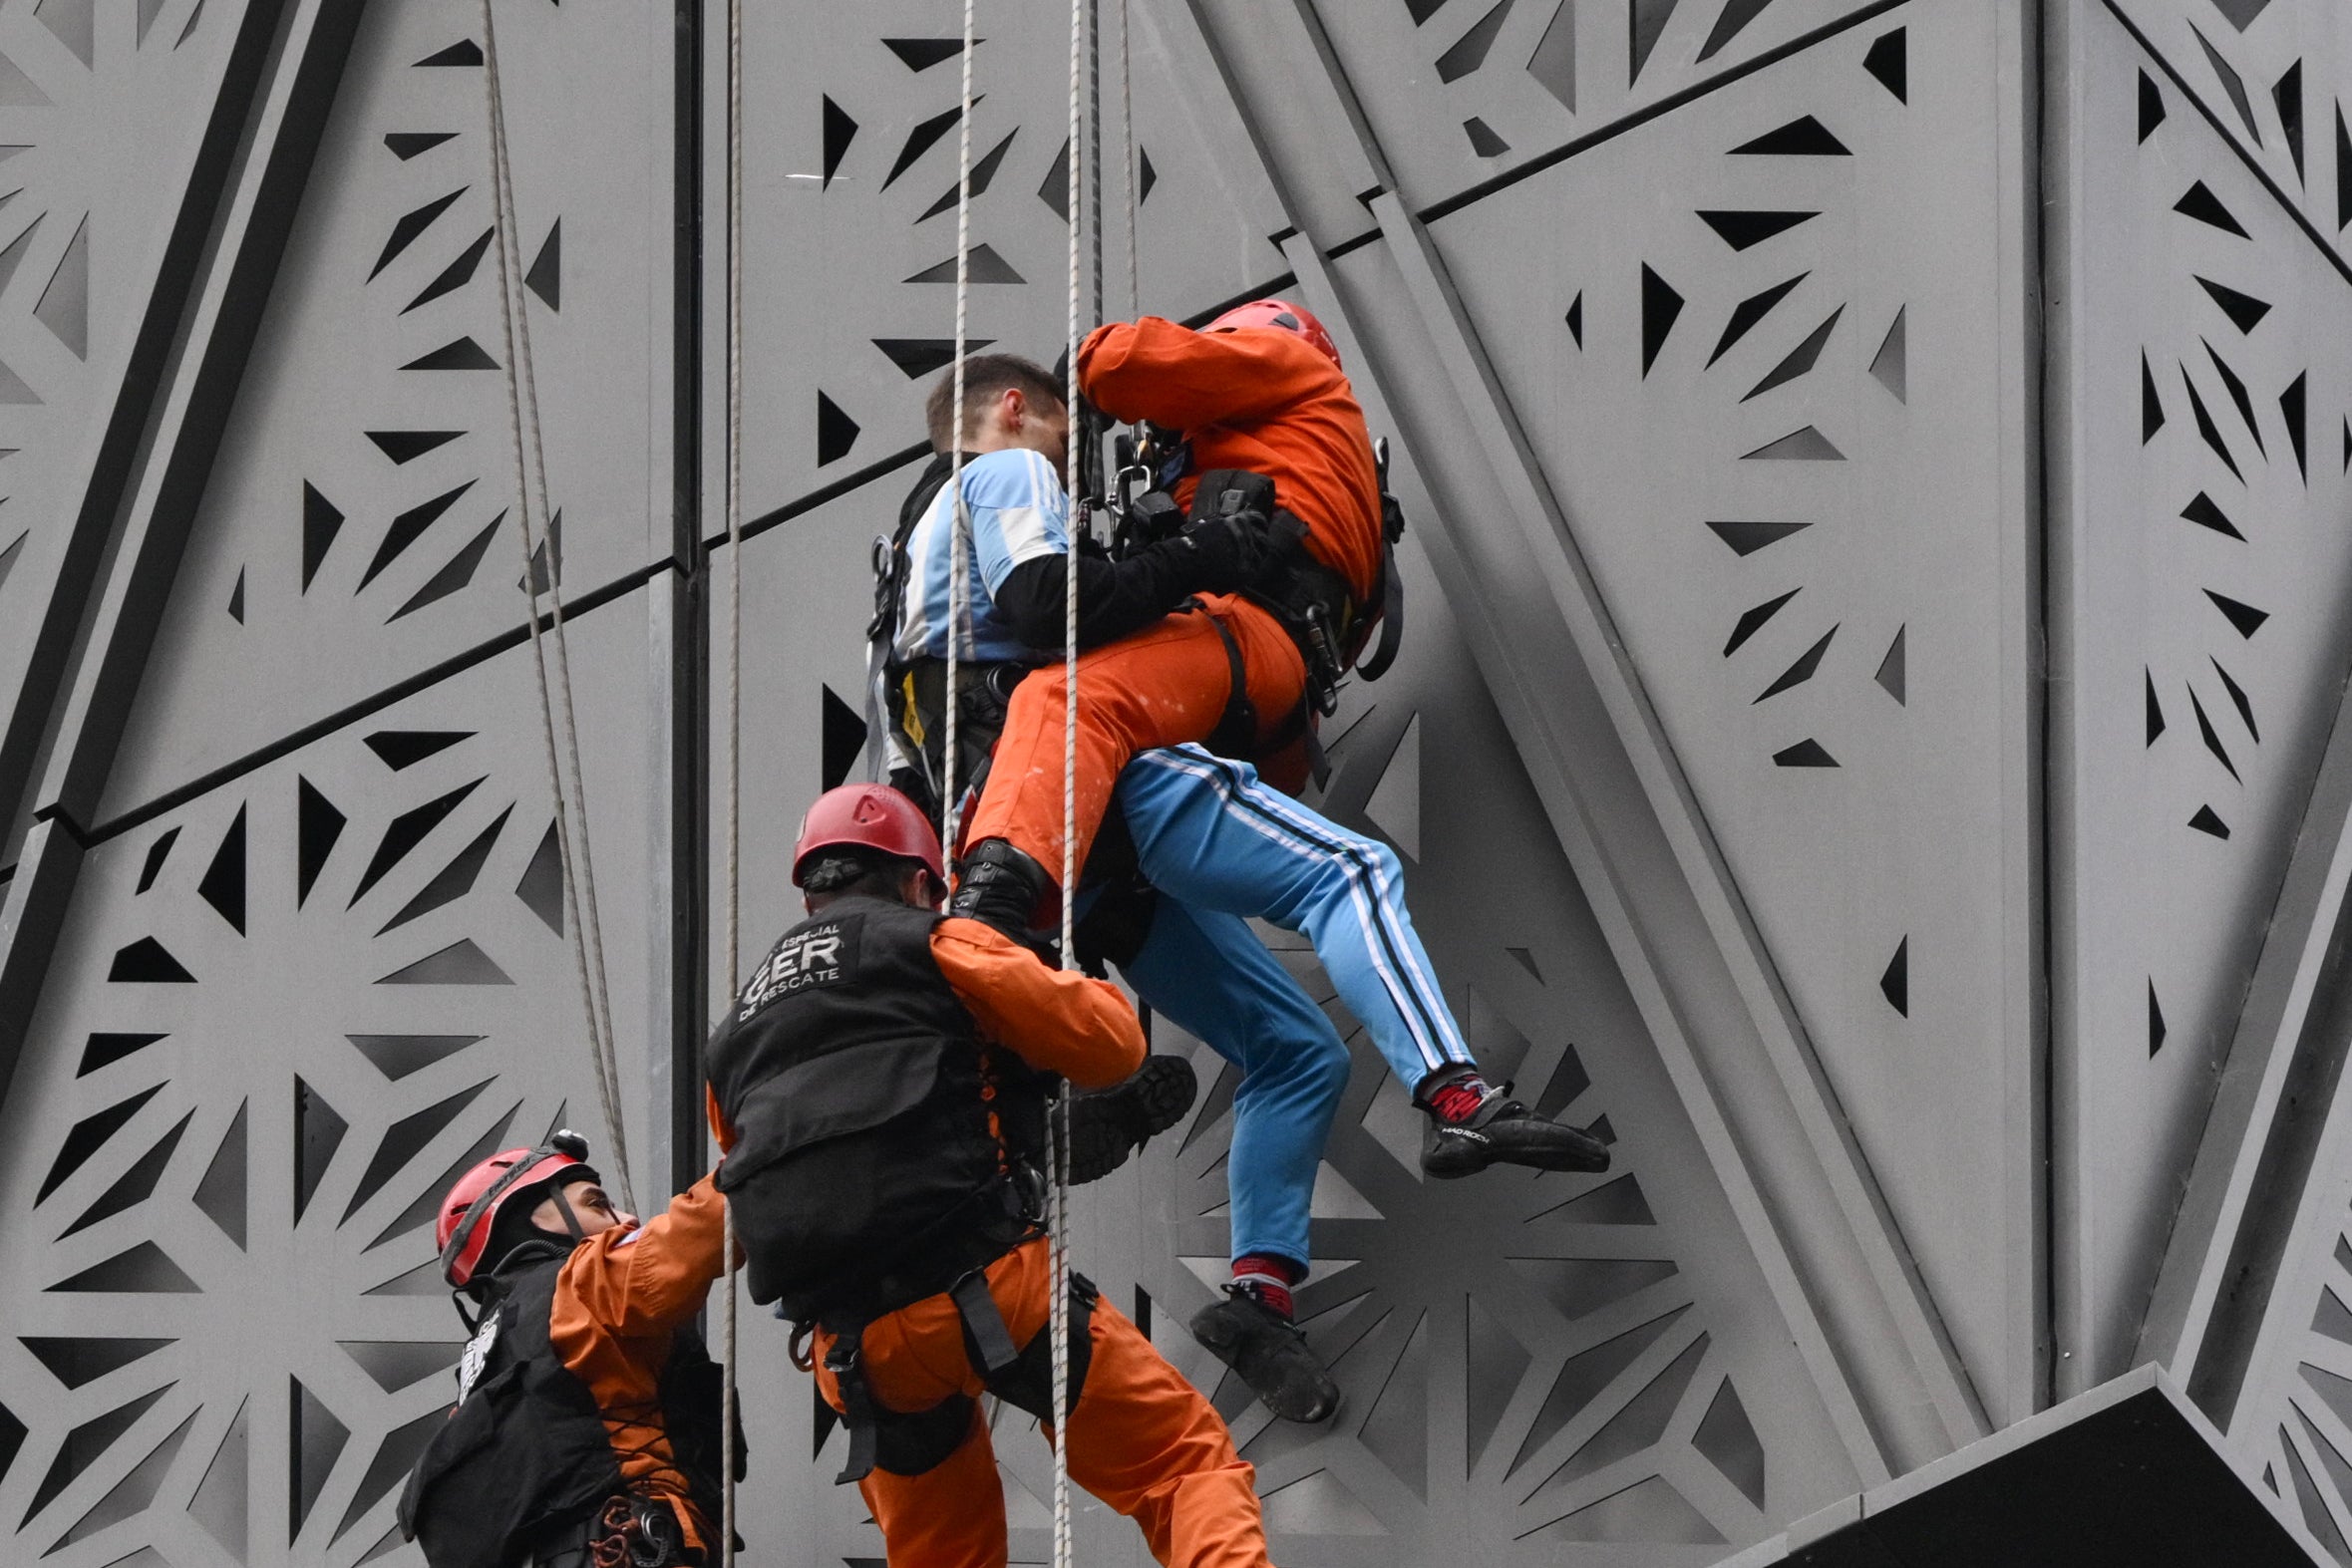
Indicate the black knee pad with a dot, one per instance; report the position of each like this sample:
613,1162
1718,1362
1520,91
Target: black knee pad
1028,1384
911,1443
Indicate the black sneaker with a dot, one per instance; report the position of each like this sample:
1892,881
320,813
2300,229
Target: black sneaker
1269,1354
1109,1124
1502,1131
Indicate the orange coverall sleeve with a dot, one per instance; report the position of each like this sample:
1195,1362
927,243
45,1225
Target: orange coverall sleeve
1173,376
632,1285
1056,1020
621,1296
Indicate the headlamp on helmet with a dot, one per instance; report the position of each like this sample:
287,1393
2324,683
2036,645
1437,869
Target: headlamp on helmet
470,1213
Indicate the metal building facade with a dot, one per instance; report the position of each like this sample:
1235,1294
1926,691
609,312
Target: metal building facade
1879,580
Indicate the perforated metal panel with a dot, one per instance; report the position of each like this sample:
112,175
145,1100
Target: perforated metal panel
288,1014
1709,333
2221,124
361,497
103,112
1770,414
1460,93
2273,73
1552,1360
857,180
2206,596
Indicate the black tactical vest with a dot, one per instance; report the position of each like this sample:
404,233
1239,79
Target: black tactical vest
883,1148
524,1458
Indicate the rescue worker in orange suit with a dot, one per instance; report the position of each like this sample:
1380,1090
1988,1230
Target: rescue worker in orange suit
1193,848
881,1091
1275,447
586,1427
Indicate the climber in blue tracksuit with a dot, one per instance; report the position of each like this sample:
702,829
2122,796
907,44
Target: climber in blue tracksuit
1215,846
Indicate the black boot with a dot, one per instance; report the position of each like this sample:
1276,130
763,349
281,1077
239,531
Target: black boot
998,886
1109,1124
1269,1354
1502,1131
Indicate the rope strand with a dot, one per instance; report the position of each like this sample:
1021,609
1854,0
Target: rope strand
1127,171
1093,142
570,728
517,377
959,593
728,1396
1058,1173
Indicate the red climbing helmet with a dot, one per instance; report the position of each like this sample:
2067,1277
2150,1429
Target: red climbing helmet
470,1211
875,815
1278,313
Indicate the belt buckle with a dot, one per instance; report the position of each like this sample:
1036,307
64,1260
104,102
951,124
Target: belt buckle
1323,666
654,1535
1028,1190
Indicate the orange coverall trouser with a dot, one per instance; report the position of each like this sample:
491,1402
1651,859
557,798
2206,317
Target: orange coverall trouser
1142,1438
1162,686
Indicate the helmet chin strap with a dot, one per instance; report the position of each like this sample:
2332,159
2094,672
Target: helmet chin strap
571,1219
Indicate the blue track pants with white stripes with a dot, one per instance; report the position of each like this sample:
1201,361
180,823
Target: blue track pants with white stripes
1206,972
1220,845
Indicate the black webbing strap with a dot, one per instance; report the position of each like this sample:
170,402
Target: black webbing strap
984,1324
1375,663
1028,1384
890,571
913,1443
846,1364
1235,733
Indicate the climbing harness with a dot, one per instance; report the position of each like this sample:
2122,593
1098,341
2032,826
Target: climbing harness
627,1532
917,1441
1312,603
523,407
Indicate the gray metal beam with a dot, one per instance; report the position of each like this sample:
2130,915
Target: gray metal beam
32,908
2278,1095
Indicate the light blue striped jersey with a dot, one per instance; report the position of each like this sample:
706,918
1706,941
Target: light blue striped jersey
1018,512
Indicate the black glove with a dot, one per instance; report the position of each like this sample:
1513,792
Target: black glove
1222,554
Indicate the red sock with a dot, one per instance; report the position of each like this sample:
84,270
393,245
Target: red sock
1458,1100
1267,1279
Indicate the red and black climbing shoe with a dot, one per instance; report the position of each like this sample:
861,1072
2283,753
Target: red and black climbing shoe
1108,1126
1267,1352
1473,1126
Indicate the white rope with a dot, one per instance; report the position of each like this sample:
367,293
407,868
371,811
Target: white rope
523,414
1094,143
1058,1166
959,588
734,572
1129,173
564,691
